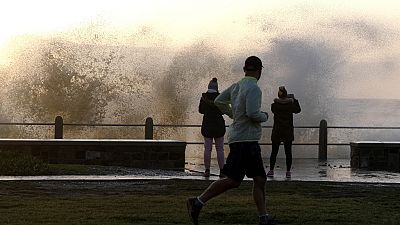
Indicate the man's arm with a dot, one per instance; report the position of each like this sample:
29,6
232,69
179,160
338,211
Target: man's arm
253,105
223,102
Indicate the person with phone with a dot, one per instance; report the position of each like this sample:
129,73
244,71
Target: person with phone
283,108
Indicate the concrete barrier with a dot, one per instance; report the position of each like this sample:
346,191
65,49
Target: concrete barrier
149,154
375,155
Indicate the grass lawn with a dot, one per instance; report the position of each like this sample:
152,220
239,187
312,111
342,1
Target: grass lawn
156,202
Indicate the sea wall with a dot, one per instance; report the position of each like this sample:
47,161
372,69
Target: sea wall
149,154
375,155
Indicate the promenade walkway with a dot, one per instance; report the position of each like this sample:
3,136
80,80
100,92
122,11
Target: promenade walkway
335,170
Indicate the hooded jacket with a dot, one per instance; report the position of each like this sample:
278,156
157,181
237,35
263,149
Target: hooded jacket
283,109
213,124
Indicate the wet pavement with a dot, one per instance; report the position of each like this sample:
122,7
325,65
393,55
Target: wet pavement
337,170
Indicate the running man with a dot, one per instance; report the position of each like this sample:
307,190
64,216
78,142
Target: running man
242,102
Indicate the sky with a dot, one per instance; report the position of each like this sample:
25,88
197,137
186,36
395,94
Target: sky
182,18
182,21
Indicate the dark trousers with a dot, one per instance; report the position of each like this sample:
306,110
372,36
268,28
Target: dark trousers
288,152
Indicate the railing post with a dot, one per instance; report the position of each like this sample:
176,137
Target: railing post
148,129
58,129
323,140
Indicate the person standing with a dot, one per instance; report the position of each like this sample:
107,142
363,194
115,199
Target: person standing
212,127
242,102
283,108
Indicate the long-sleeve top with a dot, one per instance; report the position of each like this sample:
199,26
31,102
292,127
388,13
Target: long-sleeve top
242,102
213,124
283,109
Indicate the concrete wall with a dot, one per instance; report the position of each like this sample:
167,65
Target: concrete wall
375,155
149,154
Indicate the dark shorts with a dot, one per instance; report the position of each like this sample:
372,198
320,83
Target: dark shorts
244,159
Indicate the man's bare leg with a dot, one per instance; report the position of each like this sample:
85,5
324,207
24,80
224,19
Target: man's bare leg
218,187
259,194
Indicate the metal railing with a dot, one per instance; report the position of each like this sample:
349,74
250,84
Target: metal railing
149,131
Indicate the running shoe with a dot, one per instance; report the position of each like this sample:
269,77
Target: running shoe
193,210
206,173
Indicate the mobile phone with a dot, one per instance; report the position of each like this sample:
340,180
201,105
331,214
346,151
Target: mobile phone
290,95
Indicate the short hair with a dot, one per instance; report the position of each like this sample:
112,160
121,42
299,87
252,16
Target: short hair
253,63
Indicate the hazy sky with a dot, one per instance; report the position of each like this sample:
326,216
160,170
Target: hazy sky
182,21
181,18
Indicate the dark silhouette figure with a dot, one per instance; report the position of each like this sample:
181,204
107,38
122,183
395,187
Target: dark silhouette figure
242,102
212,127
283,108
